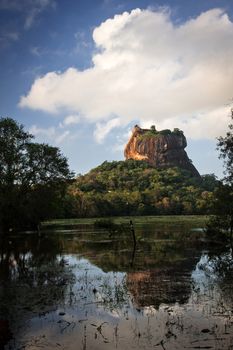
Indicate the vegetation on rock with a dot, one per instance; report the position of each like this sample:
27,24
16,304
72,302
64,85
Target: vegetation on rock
152,132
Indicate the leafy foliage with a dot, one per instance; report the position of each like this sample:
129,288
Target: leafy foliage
33,178
225,146
221,224
135,188
152,132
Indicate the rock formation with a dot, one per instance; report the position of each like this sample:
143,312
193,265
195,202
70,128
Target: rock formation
161,149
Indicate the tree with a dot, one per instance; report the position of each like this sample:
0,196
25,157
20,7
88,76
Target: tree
225,193
153,128
225,145
221,224
134,187
33,178
222,221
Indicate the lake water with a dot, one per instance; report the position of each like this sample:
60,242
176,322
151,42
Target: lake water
81,289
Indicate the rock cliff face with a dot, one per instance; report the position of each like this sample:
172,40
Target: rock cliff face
162,149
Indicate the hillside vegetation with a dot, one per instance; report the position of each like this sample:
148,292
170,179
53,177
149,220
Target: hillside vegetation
152,132
135,188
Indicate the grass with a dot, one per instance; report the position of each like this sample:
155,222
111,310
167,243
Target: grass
195,220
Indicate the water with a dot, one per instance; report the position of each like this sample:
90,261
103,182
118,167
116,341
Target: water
81,289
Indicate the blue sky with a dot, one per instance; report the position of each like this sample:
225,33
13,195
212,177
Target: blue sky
80,74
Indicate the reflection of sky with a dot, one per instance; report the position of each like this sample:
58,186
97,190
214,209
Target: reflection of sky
99,312
211,292
203,271
97,287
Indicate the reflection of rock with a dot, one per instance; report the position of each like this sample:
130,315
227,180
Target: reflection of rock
165,285
160,149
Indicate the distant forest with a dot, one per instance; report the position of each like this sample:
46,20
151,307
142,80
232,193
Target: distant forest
37,185
135,188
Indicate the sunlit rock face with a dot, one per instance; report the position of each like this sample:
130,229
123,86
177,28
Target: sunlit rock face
162,149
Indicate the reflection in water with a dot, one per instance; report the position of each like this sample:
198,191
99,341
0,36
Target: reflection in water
168,285
81,290
33,280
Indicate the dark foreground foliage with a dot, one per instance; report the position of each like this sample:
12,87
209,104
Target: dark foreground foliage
33,179
221,224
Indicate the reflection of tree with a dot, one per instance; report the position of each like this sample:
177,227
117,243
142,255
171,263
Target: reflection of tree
160,273
116,254
33,278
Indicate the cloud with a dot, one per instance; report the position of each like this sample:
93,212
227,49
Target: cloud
62,137
51,134
121,141
31,8
71,119
35,51
102,129
82,41
14,36
9,5
36,7
150,70
7,37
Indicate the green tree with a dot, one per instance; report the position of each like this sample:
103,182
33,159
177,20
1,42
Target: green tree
33,178
222,221
136,188
153,129
225,146
221,224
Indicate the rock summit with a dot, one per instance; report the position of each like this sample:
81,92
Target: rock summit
161,149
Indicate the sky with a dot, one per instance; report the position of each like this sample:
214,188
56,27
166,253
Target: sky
80,74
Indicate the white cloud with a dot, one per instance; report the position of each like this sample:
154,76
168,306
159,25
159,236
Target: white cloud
151,70
102,129
36,51
62,137
122,140
71,119
81,41
49,134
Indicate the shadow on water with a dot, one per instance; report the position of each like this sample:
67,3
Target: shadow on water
33,280
81,289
